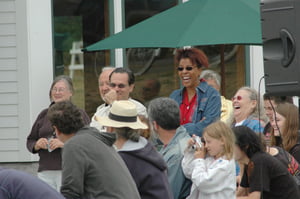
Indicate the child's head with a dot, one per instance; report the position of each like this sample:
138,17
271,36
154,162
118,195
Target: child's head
219,140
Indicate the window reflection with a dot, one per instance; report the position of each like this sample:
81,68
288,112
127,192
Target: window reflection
76,24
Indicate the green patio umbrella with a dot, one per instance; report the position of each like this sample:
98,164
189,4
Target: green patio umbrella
196,22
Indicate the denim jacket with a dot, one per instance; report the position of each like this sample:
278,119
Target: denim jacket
173,154
208,108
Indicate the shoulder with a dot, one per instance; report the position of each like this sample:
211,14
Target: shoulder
176,93
137,103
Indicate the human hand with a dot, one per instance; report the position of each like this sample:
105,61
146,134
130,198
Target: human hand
110,97
55,143
41,144
200,152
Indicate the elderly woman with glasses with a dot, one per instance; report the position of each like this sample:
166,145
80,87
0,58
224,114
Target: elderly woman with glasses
199,103
247,111
42,139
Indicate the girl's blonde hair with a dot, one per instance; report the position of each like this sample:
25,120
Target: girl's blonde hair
221,131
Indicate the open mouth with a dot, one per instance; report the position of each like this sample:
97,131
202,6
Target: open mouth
236,107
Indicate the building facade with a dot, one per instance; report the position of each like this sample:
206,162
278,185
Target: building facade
37,42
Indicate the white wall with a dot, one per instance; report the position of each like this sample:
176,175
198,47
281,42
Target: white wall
257,68
26,69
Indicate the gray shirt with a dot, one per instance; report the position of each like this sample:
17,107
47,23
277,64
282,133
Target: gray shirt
92,169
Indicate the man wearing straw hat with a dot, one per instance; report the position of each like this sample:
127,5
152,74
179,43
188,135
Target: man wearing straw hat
146,165
91,168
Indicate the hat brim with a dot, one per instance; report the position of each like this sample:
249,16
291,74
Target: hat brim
106,121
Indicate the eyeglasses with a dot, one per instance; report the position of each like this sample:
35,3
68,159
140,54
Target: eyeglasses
188,68
113,85
238,98
58,90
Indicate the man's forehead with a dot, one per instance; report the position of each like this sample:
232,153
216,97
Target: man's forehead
120,77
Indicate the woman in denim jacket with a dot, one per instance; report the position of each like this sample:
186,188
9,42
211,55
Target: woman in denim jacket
199,103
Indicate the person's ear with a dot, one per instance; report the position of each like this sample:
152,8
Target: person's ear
57,132
155,125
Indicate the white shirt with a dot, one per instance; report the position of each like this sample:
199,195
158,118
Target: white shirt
212,178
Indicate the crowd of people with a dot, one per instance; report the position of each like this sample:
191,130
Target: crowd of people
193,144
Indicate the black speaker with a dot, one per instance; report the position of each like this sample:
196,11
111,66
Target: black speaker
281,39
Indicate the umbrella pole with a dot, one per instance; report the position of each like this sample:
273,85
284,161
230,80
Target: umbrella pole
222,64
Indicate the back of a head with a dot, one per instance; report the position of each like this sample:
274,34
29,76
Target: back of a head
247,140
66,117
165,112
210,74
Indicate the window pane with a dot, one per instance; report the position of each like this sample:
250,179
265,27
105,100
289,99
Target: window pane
77,24
153,67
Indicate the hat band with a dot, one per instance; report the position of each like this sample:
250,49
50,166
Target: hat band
122,118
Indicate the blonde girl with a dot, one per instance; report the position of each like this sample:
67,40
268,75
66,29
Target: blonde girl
211,167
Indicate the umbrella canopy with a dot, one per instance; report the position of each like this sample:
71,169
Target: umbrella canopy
196,22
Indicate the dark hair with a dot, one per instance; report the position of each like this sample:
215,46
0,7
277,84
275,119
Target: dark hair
131,78
196,56
128,133
66,117
64,78
278,99
247,140
165,111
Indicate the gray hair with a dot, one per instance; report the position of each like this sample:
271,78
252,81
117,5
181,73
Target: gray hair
165,112
210,74
68,81
258,111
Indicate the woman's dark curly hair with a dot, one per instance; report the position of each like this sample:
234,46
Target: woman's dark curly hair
247,140
66,117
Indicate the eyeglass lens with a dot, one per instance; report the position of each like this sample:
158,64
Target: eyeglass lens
237,97
189,68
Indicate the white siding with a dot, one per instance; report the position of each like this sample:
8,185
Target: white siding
25,72
8,83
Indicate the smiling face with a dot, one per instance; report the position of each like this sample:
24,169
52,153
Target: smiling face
268,108
104,82
278,124
189,78
214,147
60,92
243,106
119,83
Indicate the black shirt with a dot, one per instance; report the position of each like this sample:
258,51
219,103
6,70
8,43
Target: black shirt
267,175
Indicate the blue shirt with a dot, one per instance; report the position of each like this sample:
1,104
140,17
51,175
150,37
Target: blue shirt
208,107
18,185
173,154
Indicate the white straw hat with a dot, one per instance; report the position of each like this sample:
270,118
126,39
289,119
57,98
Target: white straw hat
123,113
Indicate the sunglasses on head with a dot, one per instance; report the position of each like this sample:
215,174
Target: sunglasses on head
113,85
189,68
237,98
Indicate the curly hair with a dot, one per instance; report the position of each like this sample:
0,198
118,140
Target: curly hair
66,117
196,56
